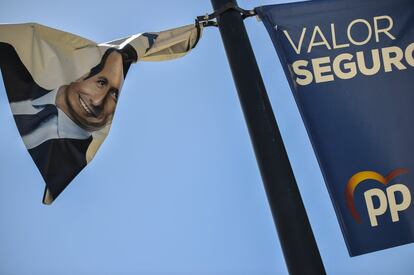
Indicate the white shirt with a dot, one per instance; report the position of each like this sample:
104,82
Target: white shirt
60,126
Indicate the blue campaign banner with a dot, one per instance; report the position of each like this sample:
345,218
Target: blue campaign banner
350,66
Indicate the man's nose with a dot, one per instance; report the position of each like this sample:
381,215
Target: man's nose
97,100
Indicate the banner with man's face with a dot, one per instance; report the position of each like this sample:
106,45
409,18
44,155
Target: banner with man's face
63,90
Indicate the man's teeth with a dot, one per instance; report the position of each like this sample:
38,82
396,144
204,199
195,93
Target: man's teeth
85,107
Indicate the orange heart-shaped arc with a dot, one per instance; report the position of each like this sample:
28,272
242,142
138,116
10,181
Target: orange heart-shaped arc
359,177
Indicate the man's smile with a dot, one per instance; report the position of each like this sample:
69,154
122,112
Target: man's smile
86,108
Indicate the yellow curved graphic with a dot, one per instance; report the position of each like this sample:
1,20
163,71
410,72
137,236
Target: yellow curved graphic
358,178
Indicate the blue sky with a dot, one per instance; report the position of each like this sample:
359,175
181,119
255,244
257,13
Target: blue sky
175,188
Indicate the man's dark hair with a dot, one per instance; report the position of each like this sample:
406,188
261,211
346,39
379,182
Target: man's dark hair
128,53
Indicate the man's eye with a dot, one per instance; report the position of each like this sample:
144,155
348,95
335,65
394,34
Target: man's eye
114,95
101,83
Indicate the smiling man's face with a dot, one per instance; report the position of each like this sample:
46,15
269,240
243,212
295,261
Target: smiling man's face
91,101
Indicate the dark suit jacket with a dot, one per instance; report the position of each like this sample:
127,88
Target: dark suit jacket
58,160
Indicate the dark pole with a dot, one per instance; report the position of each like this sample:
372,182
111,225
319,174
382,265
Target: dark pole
298,243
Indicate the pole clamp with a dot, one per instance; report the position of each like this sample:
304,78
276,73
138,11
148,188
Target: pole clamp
206,20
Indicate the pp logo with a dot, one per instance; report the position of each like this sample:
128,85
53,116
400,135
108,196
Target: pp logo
386,199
